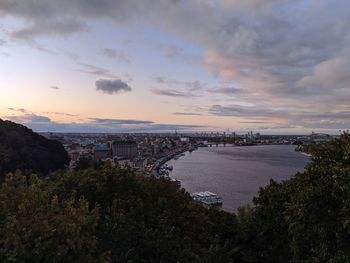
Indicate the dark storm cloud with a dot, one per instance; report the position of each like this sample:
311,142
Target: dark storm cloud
112,86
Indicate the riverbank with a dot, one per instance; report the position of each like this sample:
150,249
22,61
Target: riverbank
167,158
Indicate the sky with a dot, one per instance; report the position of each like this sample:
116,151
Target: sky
272,66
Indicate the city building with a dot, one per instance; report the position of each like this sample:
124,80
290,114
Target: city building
101,152
127,149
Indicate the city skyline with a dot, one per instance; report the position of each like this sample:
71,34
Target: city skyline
275,66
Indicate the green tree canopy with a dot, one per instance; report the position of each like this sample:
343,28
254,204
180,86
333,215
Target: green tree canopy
21,148
108,215
306,218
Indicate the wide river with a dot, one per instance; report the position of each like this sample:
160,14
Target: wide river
236,173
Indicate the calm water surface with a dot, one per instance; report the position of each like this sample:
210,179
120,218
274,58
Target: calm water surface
236,173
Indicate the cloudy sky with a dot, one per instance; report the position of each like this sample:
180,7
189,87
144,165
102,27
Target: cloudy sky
273,66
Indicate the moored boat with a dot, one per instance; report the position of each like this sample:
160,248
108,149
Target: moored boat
207,198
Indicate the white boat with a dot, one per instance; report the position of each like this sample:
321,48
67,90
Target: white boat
207,198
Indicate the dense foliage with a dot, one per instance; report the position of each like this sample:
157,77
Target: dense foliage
306,218
106,214
21,148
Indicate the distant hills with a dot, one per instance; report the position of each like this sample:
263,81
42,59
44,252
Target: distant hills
21,148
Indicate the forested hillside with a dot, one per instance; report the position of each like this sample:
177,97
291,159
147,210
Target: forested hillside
21,148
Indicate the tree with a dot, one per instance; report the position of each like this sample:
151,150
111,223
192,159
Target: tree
108,214
21,148
306,218
36,226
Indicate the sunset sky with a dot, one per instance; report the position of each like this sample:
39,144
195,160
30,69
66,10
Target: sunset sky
271,66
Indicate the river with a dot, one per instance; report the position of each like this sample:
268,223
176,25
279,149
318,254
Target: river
236,173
